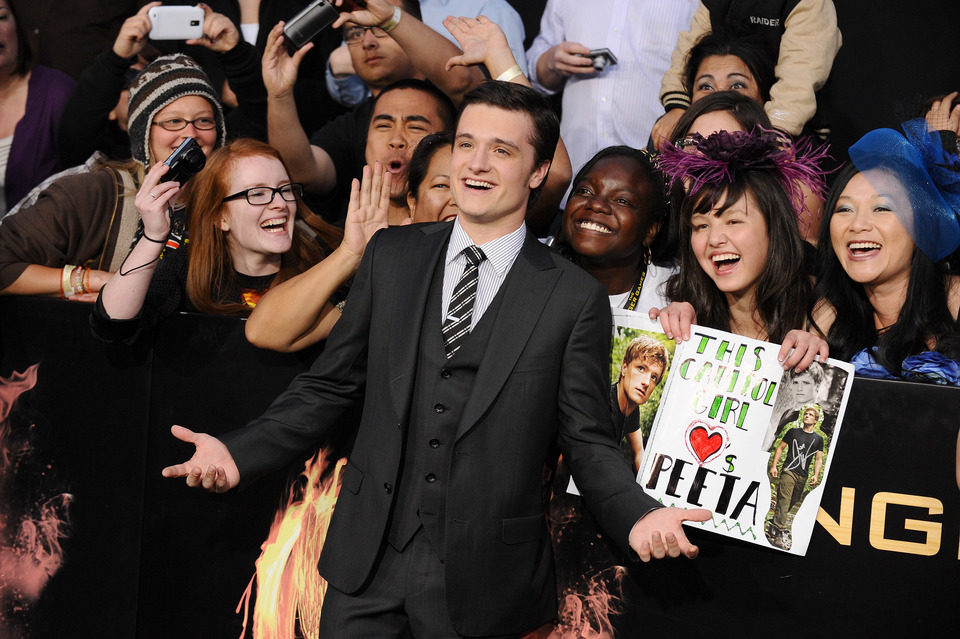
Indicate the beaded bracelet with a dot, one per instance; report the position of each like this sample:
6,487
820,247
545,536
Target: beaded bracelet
76,280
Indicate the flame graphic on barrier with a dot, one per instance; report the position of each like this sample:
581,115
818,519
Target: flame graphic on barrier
290,591
589,581
32,527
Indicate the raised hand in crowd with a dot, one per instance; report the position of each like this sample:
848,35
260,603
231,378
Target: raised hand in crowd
211,467
483,42
943,115
368,208
298,313
279,67
373,13
134,32
220,34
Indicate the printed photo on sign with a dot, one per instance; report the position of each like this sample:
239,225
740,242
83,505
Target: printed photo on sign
639,366
798,440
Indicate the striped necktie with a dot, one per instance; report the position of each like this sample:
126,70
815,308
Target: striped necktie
457,325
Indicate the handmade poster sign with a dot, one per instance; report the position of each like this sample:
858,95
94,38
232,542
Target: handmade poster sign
733,432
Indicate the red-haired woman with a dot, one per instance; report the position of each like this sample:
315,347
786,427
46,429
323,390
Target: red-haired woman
244,237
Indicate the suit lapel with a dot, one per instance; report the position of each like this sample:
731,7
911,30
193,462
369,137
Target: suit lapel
411,286
525,293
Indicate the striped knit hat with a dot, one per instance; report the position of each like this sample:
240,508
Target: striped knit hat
164,80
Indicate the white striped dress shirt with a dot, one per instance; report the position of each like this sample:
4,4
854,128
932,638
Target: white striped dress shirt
500,255
620,104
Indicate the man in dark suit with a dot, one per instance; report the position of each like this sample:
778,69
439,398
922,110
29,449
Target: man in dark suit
439,527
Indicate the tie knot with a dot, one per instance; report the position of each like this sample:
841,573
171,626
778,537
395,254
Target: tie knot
474,255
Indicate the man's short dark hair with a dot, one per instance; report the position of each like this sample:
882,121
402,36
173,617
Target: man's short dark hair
516,97
445,107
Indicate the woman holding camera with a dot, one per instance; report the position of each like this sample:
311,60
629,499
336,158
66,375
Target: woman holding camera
243,214
79,229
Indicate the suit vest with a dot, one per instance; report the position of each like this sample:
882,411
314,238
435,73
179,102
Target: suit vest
441,390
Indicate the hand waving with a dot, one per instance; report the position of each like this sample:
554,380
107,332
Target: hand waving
368,209
479,38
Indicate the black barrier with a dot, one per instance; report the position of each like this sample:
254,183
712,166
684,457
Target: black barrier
144,556
147,557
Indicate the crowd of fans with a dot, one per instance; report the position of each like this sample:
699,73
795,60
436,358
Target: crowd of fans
691,178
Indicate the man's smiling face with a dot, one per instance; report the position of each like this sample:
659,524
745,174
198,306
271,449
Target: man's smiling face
492,168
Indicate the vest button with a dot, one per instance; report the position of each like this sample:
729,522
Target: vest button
434,443
445,373
439,408
387,488
430,478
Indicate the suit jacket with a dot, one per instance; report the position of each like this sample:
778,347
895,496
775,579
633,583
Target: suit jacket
543,380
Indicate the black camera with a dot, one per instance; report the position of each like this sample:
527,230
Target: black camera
315,17
301,28
186,161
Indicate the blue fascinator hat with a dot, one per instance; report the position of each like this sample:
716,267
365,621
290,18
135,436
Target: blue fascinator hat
927,172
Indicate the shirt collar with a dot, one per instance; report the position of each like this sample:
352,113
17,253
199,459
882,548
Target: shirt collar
500,252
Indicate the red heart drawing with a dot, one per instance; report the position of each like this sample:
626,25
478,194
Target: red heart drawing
703,443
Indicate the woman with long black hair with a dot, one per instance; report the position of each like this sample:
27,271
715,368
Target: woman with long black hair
886,301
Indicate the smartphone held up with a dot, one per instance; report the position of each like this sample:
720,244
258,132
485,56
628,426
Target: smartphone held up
179,22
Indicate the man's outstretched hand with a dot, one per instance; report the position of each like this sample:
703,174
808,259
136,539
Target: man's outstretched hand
211,467
659,533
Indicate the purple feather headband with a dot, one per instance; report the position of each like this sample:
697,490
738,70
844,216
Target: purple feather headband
720,156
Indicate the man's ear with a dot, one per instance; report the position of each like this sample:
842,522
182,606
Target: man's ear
539,175
412,205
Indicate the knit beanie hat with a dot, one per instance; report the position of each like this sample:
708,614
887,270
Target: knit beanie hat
164,80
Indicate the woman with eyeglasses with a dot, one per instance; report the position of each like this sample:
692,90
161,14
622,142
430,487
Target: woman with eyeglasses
79,229
243,212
